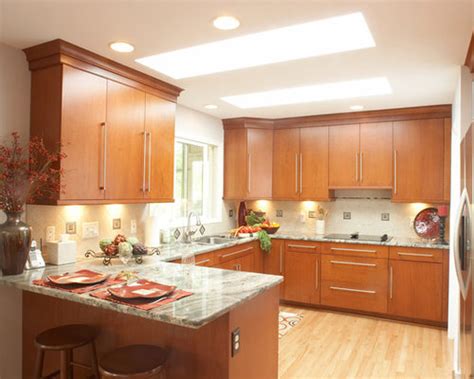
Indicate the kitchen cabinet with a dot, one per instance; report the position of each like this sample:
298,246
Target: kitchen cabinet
239,257
360,156
273,262
302,272
247,163
300,164
419,160
115,124
418,284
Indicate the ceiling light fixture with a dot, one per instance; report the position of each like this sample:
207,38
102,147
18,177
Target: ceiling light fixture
226,23
311,39
122,47
210,106
313,93
356,107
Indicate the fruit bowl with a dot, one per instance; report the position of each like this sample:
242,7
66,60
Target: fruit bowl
271,229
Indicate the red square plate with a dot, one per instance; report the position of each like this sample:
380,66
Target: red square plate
141,289
84,277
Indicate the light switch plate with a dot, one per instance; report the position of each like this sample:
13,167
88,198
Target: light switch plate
385,217
346,215
71,228
116,223
90,230
231,213
311,214
279,213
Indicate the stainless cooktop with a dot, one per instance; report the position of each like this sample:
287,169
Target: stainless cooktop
360,237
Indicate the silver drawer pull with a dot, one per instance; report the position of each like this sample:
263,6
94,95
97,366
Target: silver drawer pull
302,246
203,261
353,250
236,252
415,255
354,263
352,290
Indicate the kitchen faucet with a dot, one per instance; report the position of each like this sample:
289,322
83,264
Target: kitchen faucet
188,233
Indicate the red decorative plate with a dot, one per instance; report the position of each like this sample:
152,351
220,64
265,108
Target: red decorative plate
141,289
85,277
426,223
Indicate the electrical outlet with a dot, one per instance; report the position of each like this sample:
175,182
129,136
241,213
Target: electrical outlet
311,214
90,230
346,215
116,223
231,213
279,213
71,228
133,226
50,233
235,341
385,216
302,218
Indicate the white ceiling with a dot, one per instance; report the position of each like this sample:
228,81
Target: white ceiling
419,45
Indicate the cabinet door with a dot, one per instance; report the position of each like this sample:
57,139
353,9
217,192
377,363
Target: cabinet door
235,164
416,290
273,262
314,165
247,262
125,142
159,126
376,155
286,150
344,156
259,163
418,160
82,135
302,270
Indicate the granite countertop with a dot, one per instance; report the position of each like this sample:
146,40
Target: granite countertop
215,291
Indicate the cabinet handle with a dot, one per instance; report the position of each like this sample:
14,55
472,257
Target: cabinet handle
357,167
281,259
317,275
361,167
354,263
415,255
249,172
395,171
301,173
144,161
352,290
202,262
296,173
302,246
236,252
354,250
102,186
391,283
149,162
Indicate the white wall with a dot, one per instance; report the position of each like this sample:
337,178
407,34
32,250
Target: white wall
461,120
14,116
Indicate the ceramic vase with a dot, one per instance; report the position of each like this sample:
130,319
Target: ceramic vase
15,241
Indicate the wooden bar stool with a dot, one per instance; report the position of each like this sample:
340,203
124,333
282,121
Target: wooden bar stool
65,339
134,362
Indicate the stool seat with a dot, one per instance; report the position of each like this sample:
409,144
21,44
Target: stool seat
133,361
66,337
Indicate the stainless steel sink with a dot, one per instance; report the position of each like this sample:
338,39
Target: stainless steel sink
212,240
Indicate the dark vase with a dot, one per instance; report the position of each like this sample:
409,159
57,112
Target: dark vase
15,241
242,213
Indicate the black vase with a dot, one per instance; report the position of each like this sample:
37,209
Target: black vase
15,241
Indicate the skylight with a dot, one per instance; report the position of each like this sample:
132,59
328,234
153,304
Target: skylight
313,93
316,38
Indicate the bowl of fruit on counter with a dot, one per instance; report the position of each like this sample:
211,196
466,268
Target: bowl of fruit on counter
270,227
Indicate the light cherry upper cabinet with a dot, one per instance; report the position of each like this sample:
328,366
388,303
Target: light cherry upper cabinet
300,164
248,155
420,164
115,124
360,155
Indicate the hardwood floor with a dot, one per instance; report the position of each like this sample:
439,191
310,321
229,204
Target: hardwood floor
337,345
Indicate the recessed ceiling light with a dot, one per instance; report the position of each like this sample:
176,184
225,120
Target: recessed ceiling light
226,23
356,107
122,47
313,93
210,106
322,37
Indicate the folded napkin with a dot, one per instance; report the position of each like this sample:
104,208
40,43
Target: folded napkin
143,304
79,288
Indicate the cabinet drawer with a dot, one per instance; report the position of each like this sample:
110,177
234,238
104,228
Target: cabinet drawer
235,252
417,254
206,259
361,272
355,250
302,246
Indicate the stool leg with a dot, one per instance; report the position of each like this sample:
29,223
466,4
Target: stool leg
39,364
65,365
95,363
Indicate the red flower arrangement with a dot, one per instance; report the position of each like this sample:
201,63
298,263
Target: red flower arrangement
27,173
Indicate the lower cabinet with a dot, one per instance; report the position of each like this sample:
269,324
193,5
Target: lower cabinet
274,261
302,272
239,258
417,284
